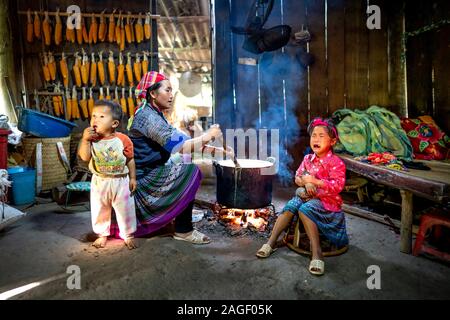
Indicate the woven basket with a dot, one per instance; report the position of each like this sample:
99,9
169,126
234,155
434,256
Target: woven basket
76,161
74,140
53,170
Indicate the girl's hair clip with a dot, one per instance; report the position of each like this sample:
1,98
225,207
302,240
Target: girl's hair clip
323,122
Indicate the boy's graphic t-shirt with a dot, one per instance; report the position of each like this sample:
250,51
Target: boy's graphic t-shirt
110,155
331,170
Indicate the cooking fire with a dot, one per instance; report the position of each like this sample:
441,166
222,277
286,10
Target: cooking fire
245,218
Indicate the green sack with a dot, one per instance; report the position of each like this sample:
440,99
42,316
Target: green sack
373,130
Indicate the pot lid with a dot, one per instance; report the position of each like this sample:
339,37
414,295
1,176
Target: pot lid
246,163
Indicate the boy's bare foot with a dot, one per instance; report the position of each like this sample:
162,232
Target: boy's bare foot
100,242
130,243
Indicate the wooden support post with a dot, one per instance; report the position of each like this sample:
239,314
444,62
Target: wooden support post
406,221
297,234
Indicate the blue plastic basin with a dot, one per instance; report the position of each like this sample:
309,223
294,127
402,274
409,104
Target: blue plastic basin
42,125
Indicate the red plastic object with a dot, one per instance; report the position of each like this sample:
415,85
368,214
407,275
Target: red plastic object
4,148
427,221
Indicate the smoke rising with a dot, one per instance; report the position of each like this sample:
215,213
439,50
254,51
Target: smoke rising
279,101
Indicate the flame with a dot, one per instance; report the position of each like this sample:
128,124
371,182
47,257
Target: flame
244,218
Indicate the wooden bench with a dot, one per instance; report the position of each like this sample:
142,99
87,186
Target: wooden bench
431,184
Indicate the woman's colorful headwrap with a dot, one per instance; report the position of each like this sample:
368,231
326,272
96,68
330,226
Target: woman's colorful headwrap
328,123
149,79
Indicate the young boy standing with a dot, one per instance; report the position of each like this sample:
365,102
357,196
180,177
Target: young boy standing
110,156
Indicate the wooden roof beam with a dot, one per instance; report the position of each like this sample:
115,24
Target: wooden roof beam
174,29
183,26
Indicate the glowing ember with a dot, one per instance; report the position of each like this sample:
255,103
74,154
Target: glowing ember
245,218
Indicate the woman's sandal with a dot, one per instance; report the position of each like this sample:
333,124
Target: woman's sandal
196,237
265,251
317,267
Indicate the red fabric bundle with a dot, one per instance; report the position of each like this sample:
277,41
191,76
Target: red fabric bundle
428,140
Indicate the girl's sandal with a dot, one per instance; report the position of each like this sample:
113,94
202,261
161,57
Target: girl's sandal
317,267
265,251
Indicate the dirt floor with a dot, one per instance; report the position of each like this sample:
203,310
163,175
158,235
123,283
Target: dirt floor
41,246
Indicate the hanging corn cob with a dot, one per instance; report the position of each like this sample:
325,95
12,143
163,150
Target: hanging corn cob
128,27
76,70
91,101
116,95
93,30
83,104
56,102
101,69
64,70
88,62
29,26
144,63
102,27
58,28
79,31
131,106
47,29
85,32
123,102
122,36
129,70
117,31
37,25
147,27
52,66
120,71
68,105
137,68
111,27
133,36
93,74
75,109
108,94
70,32
45,68
139,29
101,95
84,69
111,68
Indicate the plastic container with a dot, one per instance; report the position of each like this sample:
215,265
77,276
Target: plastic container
43,125
23,184
4,148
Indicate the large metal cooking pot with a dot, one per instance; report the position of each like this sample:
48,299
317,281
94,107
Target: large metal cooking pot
245,187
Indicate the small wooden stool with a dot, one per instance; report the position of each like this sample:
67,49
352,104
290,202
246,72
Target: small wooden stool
299,242
358,185
427,221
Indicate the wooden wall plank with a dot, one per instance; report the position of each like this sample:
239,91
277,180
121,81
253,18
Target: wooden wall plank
356,54
378,60
336,55
396,74
418,59
297,84
245,76
441,66
222,78
271,79
277,108
318,71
